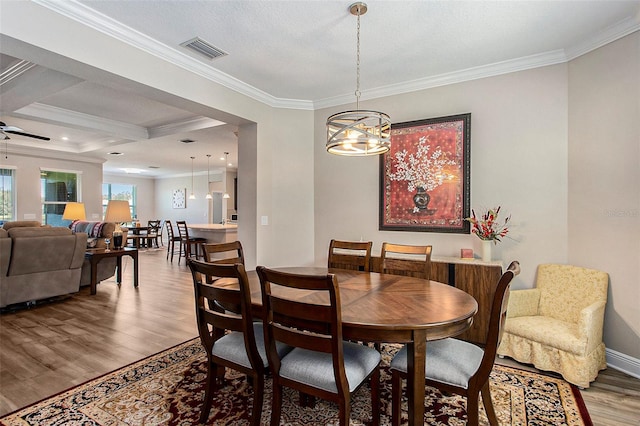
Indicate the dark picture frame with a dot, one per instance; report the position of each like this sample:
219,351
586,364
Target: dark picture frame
425,177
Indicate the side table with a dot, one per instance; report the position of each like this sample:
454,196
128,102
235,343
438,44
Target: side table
96,255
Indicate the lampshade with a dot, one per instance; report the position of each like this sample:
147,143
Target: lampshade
359,132
118,211
226,195
74,211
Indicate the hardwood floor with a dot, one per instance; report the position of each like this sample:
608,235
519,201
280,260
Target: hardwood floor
53,346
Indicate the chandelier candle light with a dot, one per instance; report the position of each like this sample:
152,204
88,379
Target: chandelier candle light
359,132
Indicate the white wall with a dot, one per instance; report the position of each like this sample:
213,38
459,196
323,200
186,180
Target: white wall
145,194
518,161
604,180
27,172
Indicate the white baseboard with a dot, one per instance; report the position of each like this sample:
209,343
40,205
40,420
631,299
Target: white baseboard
624,363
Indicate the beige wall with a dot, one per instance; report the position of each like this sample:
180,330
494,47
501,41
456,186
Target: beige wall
145,191
604,180
518,161
27,172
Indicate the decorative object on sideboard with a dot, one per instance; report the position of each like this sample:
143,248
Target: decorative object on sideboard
425,176
74,211
488,229
359,132
119,212
466,253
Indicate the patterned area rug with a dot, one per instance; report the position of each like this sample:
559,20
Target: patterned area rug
167,389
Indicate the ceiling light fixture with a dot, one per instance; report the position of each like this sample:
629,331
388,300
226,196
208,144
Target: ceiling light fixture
226,161
208,196
192,196
360,132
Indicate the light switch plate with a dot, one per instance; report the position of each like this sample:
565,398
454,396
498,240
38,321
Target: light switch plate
264,220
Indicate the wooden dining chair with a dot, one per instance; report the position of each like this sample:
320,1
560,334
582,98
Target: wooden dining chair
153,233
400,259
354,255
321,364
461,367
189,246
231,338
172,239
223,253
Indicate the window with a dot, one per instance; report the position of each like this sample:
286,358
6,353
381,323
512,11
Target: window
7,196
56,188
119,191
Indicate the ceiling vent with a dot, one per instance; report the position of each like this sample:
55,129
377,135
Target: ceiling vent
187,140
204,48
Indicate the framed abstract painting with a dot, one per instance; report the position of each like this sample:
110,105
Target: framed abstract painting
425,177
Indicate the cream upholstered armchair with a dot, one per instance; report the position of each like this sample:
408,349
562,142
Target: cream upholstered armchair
557,326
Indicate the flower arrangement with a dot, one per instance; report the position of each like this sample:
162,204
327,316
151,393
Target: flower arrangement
488,228
422,169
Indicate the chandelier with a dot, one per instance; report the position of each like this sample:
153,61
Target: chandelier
359,132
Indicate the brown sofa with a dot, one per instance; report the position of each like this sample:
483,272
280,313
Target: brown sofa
38,262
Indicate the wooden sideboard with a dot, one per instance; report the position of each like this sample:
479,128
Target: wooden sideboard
473,276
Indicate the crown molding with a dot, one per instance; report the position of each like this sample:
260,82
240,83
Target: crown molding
54,115
99,22
614,32
498,68
188,125
34,151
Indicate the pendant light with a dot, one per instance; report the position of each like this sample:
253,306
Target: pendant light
192,196
208,196
360,132
226,163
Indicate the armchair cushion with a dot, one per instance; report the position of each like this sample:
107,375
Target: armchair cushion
563,333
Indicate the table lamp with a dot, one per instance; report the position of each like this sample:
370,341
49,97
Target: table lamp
74,211
117,211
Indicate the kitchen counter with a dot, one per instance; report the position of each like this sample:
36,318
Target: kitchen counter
214,232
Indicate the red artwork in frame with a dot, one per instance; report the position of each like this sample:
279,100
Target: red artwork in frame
425,176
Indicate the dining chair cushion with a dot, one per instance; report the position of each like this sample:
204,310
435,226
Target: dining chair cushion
231,347
316,368
450,361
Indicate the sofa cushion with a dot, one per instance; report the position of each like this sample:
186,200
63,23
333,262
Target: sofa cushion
3,233
92,229
28,253
21,223
38,232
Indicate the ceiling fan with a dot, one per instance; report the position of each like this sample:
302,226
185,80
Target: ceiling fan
4,129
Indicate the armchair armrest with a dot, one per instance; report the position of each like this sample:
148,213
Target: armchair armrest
523,303
591,324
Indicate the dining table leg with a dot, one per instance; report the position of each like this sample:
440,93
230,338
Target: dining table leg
416,358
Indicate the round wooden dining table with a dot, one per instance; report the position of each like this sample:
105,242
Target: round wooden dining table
394,309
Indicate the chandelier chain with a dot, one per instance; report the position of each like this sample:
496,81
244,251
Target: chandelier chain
358,63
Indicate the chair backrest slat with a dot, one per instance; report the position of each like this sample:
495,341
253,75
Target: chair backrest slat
408,260
352,255
232,251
